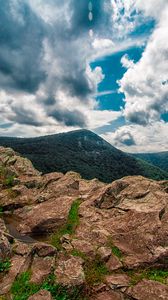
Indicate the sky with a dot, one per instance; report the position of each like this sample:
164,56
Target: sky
95,64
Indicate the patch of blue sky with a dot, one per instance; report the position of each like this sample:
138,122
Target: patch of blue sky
164,117
113,71
144,29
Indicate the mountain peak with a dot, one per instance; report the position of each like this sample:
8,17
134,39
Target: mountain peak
81,151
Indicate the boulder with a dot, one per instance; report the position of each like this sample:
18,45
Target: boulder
41,295
113,263
21,248
148,289
116,281
45,217
41,268
69,271
104,253
43,250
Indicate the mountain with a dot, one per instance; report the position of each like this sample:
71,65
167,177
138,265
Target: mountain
159,159
81,151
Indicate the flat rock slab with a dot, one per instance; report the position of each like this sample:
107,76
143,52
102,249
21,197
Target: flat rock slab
150,290
108,296
117,281
46,216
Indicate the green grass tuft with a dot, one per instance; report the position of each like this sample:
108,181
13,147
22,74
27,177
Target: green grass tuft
78,253
9,181
95,271
153,274
115,250
5,265
22,289
69,227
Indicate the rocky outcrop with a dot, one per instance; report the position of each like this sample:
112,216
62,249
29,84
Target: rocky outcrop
115,232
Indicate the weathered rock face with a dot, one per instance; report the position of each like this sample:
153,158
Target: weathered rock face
122,226
69,271
148,289
135,222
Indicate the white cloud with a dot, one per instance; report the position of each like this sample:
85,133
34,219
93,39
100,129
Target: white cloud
136,138
126,62
97,118
145,83
151,7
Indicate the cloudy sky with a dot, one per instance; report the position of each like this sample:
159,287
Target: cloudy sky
100,64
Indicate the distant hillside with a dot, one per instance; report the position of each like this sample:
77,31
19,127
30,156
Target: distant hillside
158,159
82,151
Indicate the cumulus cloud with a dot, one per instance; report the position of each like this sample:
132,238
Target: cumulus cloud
137,138
145,82
45,76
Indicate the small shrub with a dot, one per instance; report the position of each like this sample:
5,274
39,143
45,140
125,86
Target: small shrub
5,265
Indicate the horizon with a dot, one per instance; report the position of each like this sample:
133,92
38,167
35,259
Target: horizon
100,65
77,130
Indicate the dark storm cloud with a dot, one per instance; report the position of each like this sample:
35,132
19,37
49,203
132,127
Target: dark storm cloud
24,116
23,64
21,37
69,118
